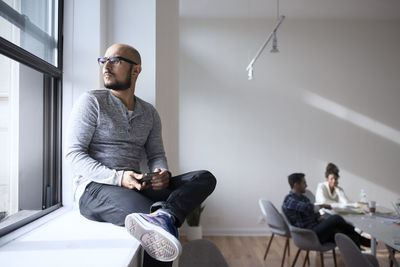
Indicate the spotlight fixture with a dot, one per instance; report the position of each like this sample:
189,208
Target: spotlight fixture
274,44
274,49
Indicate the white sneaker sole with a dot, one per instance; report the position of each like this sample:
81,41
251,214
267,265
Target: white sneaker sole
158,243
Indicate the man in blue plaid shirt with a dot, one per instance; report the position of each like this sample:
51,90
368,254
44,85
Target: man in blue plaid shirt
303,214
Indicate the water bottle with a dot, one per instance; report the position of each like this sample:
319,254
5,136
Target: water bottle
363,196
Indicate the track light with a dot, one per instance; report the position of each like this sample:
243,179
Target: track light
250,73
274,44
274,47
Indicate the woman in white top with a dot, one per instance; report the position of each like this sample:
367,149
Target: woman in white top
329,192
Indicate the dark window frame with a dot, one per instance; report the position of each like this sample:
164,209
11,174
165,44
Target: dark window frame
52,114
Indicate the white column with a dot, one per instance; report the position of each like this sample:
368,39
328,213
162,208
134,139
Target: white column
167,77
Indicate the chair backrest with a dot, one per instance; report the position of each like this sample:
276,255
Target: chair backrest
201,252
274,218
306,239
351,254
310,196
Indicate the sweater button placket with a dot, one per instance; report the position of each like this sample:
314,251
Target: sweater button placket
128,129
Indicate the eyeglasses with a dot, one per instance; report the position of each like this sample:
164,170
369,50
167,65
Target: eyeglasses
113,60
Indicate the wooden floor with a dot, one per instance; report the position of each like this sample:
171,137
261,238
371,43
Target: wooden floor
249,251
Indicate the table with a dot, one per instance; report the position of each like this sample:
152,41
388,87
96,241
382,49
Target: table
379,228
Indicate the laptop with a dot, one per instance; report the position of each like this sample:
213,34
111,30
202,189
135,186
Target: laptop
395,215
396,206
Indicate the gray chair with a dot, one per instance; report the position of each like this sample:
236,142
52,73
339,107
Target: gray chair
306,239
201,252
276,224
310,196
352,255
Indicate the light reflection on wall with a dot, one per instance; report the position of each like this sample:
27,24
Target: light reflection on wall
352,116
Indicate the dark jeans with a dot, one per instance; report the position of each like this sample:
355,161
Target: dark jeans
109,203
327,229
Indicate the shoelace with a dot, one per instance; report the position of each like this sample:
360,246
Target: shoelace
169,224
164,221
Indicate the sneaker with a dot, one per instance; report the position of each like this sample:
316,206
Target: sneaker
156,233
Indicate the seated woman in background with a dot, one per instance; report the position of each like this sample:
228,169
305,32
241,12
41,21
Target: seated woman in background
329,192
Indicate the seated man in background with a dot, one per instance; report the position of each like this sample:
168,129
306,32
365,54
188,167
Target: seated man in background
111,132
303,214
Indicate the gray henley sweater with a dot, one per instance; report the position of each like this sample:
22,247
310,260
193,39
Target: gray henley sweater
103,140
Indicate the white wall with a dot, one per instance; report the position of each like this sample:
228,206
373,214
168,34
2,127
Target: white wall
133,22
330,95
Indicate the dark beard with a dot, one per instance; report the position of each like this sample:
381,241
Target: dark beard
117,86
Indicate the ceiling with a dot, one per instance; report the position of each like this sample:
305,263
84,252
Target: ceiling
295,9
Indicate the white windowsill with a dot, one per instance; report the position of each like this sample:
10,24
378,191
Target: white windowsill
66,238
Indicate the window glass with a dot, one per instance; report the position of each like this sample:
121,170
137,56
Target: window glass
32,25
21,141
30,111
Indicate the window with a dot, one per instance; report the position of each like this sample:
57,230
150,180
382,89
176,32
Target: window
30,110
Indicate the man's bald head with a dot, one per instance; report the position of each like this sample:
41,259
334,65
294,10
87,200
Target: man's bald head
124,50
123,75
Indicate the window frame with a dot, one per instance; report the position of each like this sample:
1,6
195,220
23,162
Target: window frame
52,115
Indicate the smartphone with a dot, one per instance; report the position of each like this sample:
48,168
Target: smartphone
147,176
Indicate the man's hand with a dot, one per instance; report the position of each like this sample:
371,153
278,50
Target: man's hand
325,206
131,179
160,181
